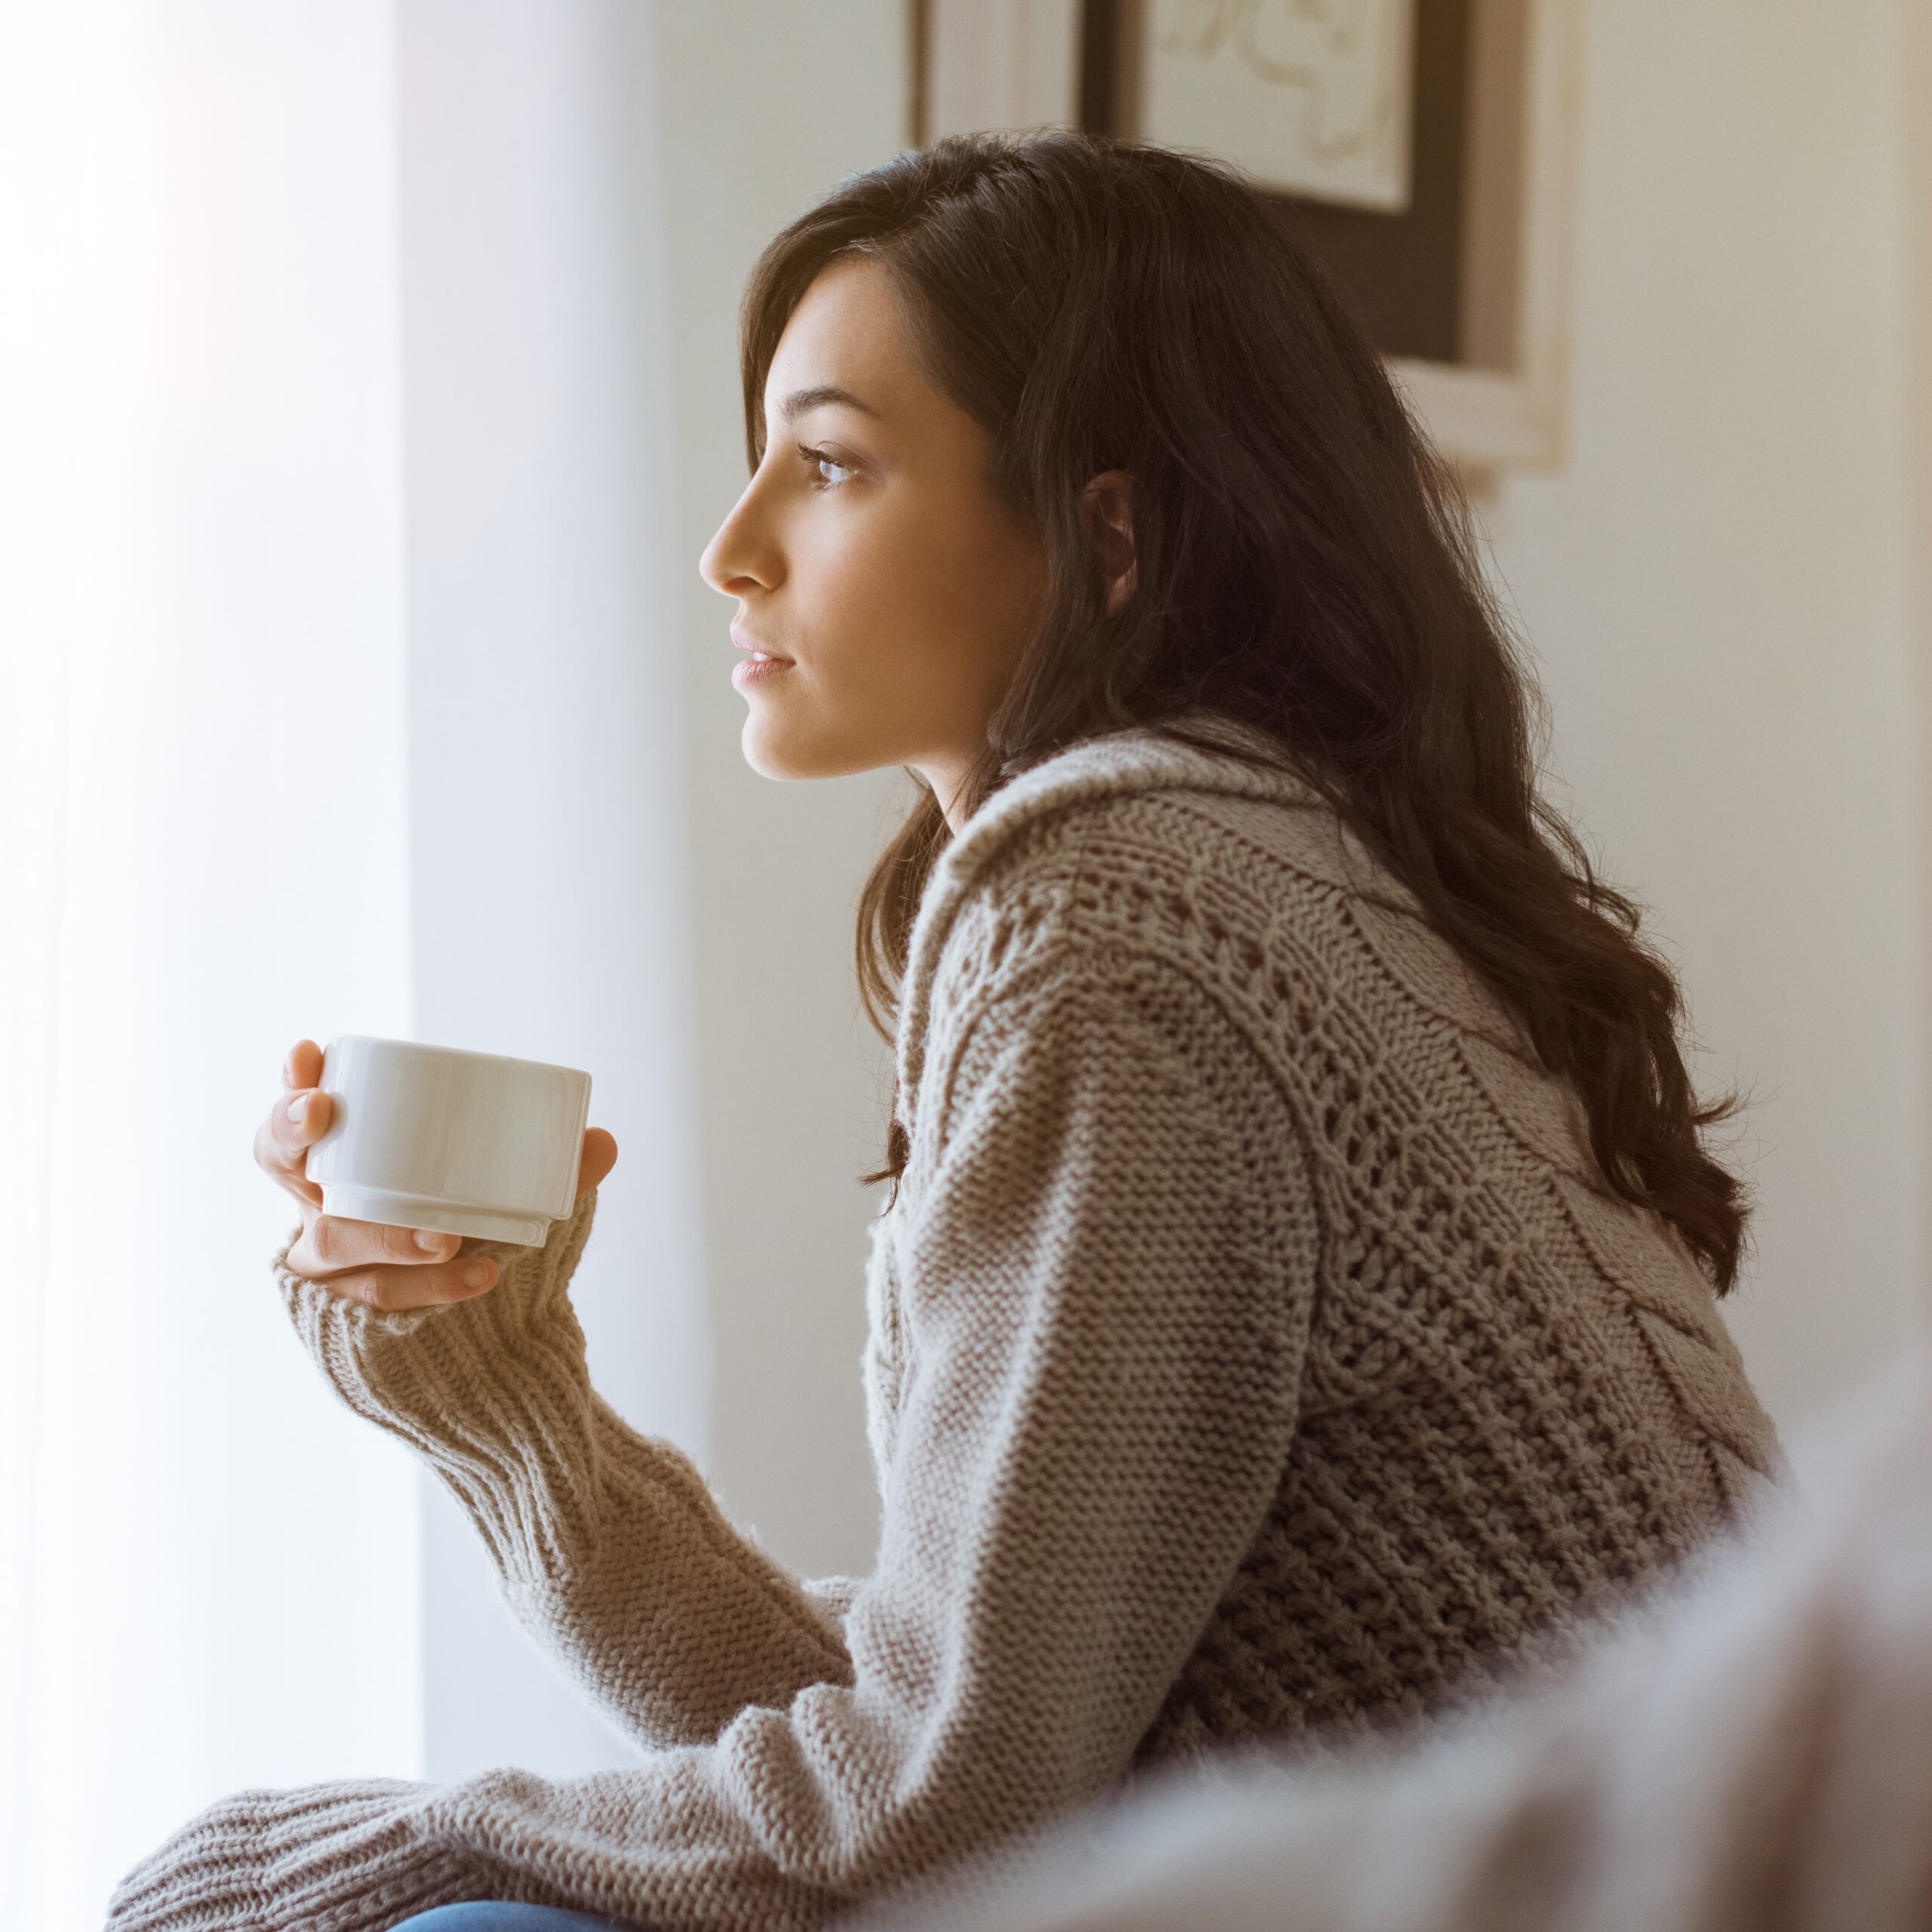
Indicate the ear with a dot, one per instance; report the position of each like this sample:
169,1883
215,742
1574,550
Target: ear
1106,506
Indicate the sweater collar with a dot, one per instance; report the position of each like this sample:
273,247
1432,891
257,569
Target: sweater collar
1140,759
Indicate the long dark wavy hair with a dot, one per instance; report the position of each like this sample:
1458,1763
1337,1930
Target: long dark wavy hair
1303,562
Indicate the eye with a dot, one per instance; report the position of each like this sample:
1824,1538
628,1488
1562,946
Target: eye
831,473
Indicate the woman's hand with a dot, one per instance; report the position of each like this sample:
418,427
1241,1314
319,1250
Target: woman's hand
384,1267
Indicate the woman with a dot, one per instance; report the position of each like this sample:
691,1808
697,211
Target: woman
1294,1302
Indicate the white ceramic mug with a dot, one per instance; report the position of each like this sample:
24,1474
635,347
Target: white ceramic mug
434,1137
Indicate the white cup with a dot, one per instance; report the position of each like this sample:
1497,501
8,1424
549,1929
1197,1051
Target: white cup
434,1137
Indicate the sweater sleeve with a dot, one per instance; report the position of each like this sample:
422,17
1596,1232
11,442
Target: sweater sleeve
1105,1270
609,1547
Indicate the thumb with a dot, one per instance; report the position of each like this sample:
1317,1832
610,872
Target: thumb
600,1156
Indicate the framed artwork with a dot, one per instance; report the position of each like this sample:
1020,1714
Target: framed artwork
1426,148
1311,99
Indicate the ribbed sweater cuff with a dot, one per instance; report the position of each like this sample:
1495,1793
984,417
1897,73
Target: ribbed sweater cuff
493,1392
326,1858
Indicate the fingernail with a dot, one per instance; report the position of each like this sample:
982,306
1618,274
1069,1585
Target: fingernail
297,1108
477,1275
430,1242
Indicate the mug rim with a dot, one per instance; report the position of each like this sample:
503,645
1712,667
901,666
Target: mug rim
452,1053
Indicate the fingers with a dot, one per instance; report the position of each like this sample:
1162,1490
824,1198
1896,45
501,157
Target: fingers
389,1268
303,1066
600,1156
393,1290
330,1244
282,1141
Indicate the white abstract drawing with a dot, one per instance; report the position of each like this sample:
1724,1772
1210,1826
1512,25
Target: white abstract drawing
1311,96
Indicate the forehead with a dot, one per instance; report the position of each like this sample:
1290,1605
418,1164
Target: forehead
848,331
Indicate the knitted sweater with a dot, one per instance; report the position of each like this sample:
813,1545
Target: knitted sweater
1255,1351
1745,1752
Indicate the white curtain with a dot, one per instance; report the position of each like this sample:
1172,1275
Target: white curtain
210,1575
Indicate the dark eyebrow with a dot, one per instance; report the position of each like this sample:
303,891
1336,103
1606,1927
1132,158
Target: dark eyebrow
796,405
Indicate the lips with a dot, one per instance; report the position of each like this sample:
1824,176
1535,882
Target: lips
749,671
760,663
759,652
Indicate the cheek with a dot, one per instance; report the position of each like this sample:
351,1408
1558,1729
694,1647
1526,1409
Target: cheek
935,601
906,616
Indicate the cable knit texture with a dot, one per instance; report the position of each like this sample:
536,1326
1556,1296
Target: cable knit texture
1744,1751
1255,1352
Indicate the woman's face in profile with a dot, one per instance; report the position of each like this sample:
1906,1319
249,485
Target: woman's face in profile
889,589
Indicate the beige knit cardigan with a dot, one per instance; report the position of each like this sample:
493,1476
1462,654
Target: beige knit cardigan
1255,1351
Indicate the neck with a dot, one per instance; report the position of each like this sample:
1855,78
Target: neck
947,778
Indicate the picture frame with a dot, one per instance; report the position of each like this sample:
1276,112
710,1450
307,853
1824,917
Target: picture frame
1499,404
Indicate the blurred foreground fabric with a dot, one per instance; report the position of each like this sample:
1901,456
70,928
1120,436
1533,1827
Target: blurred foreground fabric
1750,1750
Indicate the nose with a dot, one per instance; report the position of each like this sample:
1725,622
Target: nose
742,557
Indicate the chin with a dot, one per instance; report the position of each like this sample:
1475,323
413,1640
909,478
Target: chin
774,753
774,750
760,754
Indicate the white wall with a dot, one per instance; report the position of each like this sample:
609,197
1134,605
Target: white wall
546,729
597,877
765,105
1717,584
1914,91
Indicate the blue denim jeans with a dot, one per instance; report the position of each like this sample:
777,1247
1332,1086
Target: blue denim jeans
490,1915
